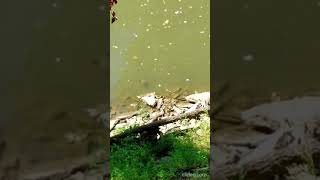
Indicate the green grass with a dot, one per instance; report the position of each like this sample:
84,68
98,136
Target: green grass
165,159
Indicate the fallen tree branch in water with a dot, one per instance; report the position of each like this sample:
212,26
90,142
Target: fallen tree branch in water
162,121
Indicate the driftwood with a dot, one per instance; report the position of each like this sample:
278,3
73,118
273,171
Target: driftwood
263,159
293,134
162,121
119,118
265,163
156,116
167,111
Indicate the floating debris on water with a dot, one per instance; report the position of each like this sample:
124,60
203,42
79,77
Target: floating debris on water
149,99
58,59
165,22
168,34
248,57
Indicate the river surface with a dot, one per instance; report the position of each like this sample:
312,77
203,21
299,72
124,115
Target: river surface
264,47
53,65
158,46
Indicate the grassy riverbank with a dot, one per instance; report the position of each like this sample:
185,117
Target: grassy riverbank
182,153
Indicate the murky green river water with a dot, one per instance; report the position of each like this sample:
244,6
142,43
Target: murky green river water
53,65
160,45
265,47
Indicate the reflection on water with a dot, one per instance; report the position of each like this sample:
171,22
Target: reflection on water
159,46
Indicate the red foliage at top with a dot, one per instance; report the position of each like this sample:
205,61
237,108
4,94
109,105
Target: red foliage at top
113,14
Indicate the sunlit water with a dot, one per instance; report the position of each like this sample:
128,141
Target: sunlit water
159,45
